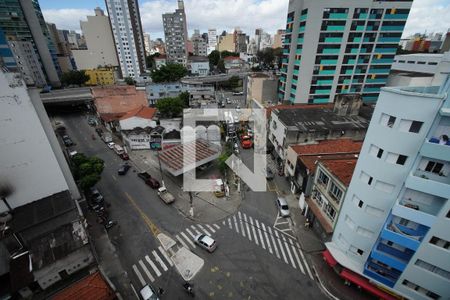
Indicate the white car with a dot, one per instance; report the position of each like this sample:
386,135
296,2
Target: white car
228,101
147,293
111,145
238,108
206,242
283,207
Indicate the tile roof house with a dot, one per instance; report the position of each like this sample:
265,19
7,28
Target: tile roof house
139,117
91,287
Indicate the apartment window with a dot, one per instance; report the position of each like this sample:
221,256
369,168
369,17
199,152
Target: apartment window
360,203
420,289
415,126
376,151
432,268
440,242
421,62
380,153
432,63
434,167
410,126
323,178
387,120
448,214
335,192
366,178
330,211
401,159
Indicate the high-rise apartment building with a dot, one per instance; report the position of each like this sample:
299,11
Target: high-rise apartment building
100,44
147,44
199,45
394,223
175,33
240,41
212,40
22,21
128,35
349,47
278,38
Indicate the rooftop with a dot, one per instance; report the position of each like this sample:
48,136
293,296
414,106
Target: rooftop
341,168
296,106
90,287
141,112
319,119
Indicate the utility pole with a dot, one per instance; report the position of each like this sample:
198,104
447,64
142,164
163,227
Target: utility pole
160,170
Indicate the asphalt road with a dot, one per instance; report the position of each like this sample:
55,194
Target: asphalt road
240,268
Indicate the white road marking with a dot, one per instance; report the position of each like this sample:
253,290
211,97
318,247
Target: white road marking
204,230
289,253
195,229
267,238
146,271
248,228
152,264
159,260
166,256
134,291
260,234
273,242
298,259
139,275
253,229
181,241
223,222
235,224
281,247
188,239
210,228
190,233
240,222
217,226
229,223
306,263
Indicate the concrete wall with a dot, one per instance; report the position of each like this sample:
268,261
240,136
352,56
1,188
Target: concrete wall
134,122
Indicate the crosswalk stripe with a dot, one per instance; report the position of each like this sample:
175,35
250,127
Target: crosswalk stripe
229,223
281,247
190,233
260,234
159,260
240,222
217,226
235,224
139,275
152,264
267,238
248,229
146,271
253,229
306,263
210,228
223,222
273,242
188,239
204,230
181,241
298,260
195,229
289,252
166,256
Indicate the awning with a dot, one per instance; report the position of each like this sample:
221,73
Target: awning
329,258
365,284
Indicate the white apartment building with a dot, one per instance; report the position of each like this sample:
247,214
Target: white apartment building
127,31
212,40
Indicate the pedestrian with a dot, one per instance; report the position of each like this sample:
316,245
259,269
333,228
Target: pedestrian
307,223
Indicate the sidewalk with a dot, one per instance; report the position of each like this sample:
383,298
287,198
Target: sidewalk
207,207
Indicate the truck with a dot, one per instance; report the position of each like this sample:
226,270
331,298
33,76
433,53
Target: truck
149,180
106,137
165,195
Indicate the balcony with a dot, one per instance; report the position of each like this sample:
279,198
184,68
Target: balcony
303,17
392,28
296,72
441,177
382,60
362,16
433,149
297,62
335,28
388,39
327,72
385,50
396,16
337,16
324,82
290,19
379,71
403,235
333,40
301,28
300,40
384,254
328,62
376,80
321,92
294,81
381,273
285,51
298,51
360,28
424,184
371,90
331,50
411,210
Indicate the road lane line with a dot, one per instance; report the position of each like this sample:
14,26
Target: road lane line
159,260
240,223
298,259
253,229
217,226
248,228
146,271
150,225
229,223
306,263
260,234
166,256
267,238
195,229
139,275
281,246
289,252
210,228
152,264
188,239
235,224
203,229
273,242
181,241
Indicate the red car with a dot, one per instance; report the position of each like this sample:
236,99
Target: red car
124,156
246,142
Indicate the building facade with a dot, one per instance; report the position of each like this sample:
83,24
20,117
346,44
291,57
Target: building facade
99,39
349,47
128,36
393,226
156,91
199,65
278,38
101,76
226,43
176,35
147,44
261,90
199,45
212,40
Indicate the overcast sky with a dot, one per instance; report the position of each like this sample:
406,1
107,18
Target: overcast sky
426,15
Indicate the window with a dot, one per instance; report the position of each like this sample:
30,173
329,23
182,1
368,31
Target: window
366,177
410,126
376,151
420,289
401,159
360,252
387,120
440,242
415,126
335,192
360,203
432,268
331,213
370,180
434,167
380,153
323,178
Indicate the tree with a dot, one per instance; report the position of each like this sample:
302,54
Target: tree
169,73
149,60
221,66
170,107
234,82
75,77
214,57
87,170
184,96
227,53
129,80
266,56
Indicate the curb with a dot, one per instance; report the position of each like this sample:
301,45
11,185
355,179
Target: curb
322,286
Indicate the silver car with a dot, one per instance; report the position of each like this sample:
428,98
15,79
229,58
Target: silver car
283,207
206,242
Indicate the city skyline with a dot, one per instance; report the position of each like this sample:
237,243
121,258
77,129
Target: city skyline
425,16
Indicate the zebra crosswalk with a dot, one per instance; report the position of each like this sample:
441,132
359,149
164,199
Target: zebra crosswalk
277,244
157,261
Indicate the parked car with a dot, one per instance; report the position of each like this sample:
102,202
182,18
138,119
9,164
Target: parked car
238,108
92,121
165,196
111,145
149,180
99,131
110,224
269,174
206,242
228,101
123,169
67,140
96,196
283,207
124,156
246,142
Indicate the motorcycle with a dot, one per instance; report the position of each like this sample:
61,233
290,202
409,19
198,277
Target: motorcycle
188,289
